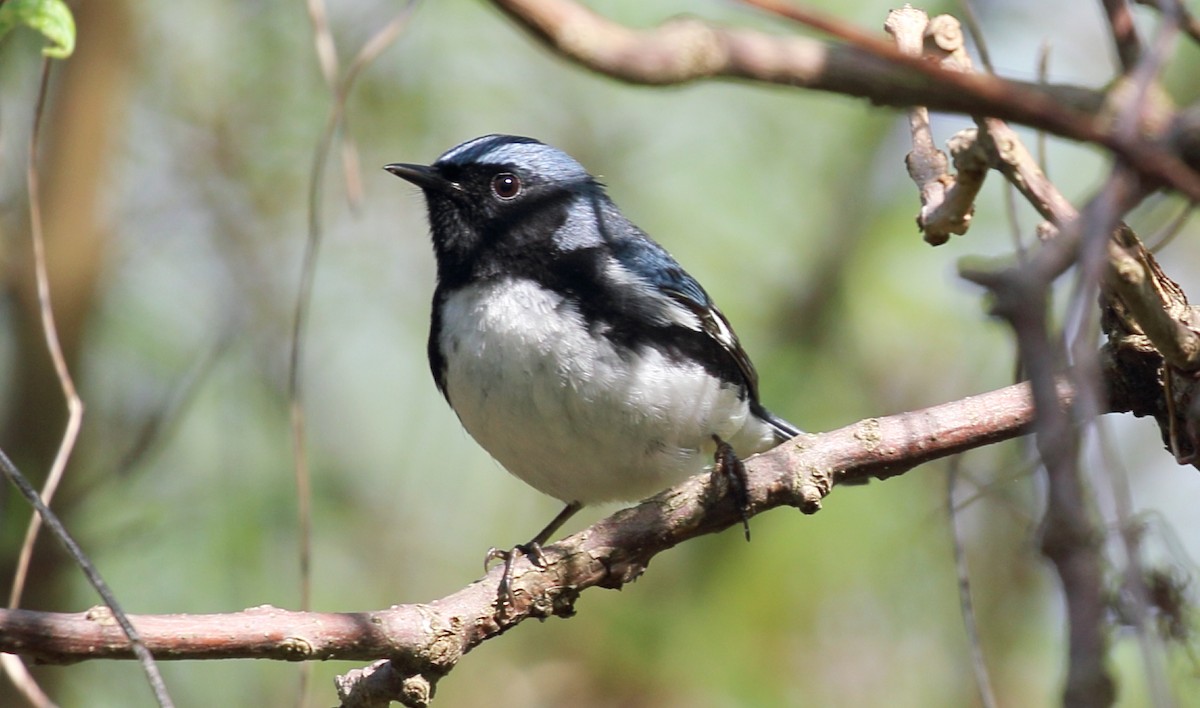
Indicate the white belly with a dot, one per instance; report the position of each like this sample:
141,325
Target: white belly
561,409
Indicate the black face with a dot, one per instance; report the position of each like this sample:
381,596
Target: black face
494,199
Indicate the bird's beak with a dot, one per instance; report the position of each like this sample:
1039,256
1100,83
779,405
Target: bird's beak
423,176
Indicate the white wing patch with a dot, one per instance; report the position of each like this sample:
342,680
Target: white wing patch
720,331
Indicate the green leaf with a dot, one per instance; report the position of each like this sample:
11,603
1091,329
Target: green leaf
50,17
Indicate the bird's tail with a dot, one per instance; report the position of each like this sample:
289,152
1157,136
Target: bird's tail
784,430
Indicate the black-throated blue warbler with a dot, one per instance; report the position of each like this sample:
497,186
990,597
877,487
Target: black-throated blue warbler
574,348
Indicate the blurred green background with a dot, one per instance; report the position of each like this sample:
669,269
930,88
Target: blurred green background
178,145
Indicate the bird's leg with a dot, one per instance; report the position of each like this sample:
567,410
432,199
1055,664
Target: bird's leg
532,550
727,464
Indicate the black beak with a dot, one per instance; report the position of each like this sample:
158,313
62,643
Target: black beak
423,176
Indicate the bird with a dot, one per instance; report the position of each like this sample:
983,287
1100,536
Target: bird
572,347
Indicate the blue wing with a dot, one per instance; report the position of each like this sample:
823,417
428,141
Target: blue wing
651,264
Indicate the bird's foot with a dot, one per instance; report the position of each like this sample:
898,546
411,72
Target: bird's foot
531,550
728,465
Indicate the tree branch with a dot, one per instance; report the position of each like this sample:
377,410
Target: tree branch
1106,251
1142,301
427,640
687,49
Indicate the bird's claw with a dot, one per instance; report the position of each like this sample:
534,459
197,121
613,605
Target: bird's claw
531,550
727,464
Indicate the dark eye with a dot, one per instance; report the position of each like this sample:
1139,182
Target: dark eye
506,185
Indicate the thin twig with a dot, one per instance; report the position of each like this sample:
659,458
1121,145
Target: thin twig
983,680
1124,33
14,667
327,57
971,19
323,42
1168,233
1099,256
1043,75
975,29
40,502
50,332
24,682
1187,21
1128,146
1014,221
1144,74
1133,580
327,60
302,475
131,641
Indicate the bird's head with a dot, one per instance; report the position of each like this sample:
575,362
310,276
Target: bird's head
499,193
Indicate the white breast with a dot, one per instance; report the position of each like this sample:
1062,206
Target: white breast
563,411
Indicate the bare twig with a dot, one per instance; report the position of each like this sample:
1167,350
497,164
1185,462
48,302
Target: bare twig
326,51
24,682
1137,111
1124,32
966,606
323,42
50,331
12,666
327,58
1043,74
971,20
123,634
370,50
1071,540
1167,234
1133,582
1156,303
947,201
376,685
1187,20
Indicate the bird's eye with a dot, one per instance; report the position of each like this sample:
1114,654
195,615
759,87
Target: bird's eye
506,185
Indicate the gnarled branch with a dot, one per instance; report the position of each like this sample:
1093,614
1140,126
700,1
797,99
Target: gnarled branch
425,641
